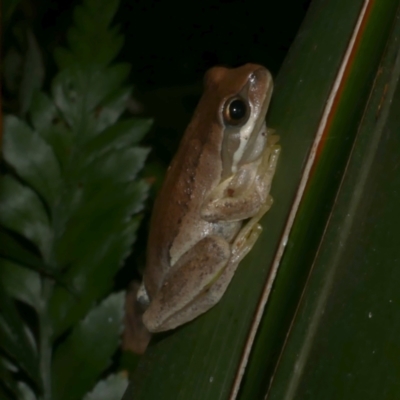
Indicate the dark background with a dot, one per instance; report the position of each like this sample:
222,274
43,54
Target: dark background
170,44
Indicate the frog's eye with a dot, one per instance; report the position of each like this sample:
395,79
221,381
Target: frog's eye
236,111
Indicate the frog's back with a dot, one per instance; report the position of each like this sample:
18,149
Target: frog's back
176,222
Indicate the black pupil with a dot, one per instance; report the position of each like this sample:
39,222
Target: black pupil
237,109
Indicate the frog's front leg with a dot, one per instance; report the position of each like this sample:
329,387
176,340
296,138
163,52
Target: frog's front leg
243,195
251,230
179,298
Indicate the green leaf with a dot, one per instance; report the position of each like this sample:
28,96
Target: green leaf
42,111
48,123
322,187
11,249
82,214
32,73
112,108
101,13
92,275
346,322
7,379
122,134
6,363
77,92
88,349
21,211
39,166
121,165
21,283
111,388
25,392
112,210
91,40
94,228
12,62
84,49
15,340
15,258
59,137
129,360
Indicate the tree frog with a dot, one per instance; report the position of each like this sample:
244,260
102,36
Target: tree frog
205,218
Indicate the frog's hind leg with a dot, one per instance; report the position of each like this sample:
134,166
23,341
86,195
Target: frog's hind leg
242,244
180,298
200,277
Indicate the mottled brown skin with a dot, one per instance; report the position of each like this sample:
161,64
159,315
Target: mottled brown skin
198,229
190,179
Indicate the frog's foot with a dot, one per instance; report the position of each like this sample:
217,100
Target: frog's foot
244,243
266,169
142,297
135,335
249,234
270,157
